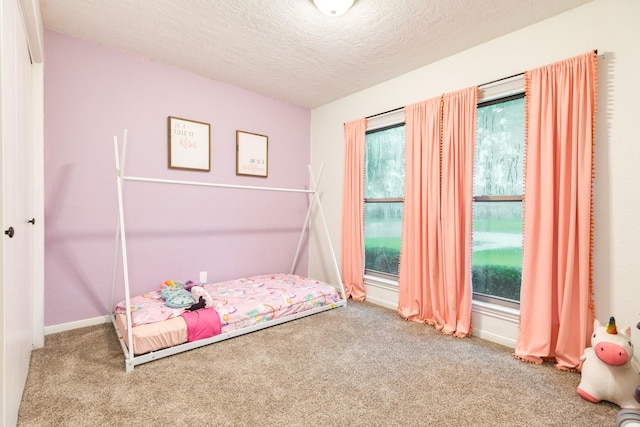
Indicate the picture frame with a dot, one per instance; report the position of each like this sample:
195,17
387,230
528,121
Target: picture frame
189,144
252,154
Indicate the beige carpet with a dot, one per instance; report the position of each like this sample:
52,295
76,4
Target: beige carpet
356,366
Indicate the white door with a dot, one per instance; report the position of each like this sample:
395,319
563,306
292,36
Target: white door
16,280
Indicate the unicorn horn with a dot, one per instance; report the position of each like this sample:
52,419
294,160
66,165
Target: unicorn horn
611,326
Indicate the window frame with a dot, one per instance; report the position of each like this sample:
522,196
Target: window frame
389,123
513,93
497,91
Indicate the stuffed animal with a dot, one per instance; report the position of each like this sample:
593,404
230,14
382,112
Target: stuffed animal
190,283
609,370
199,292
197,306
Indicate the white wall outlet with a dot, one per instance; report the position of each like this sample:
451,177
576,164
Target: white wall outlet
203,277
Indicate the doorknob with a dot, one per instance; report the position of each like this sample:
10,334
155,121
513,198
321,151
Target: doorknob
9,232
32,221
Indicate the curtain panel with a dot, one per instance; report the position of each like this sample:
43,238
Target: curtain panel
419,257
435,265
556,302
353,210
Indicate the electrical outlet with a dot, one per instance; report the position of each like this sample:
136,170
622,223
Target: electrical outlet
203,277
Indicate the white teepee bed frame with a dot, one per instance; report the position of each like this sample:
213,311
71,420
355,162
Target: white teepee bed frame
132,360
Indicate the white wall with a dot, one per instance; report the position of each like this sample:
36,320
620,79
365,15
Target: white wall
607,25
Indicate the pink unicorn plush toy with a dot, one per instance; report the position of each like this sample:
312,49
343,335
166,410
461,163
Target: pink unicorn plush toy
609,371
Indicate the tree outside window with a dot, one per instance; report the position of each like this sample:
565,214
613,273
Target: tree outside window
384,199
497,189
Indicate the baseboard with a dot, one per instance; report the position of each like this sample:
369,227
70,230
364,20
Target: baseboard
495,338
380,292
381,302
490,322
488,332
54,329
495,323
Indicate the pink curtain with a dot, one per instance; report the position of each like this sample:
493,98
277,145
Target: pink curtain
420,260
435,267
556,307
353,210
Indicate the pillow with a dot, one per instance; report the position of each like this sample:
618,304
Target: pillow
180,300
169,291
175,295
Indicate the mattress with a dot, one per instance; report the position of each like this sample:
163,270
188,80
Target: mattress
238,303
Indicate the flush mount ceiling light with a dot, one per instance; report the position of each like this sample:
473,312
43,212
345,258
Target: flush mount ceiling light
333,7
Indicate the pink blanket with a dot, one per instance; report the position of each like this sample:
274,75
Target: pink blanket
242,302
203,323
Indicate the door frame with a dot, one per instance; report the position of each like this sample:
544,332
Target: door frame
30,10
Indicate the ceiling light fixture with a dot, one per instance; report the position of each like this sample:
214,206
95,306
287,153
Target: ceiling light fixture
333,7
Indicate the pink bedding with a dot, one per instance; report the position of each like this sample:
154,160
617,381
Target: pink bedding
238,303
203,323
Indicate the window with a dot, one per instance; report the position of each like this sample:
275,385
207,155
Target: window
498,185
497,190
383,199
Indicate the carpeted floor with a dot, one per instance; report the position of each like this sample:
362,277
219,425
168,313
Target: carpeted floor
361,365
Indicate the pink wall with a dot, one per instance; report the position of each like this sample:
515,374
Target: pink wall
173,232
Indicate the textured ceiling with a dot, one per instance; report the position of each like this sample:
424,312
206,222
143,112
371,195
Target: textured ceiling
287,49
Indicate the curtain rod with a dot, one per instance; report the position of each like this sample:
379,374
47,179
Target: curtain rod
386,112
483,84
499,80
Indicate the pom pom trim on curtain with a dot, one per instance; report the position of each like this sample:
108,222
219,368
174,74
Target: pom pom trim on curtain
557,307
556,304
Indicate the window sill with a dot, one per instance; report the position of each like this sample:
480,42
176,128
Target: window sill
495,310
492,322
380,282
481,307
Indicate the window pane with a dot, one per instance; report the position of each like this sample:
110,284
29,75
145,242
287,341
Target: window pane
384,164
382,236
499,149
497,249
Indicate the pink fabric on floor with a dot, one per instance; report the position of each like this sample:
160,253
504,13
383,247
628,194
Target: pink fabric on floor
203,323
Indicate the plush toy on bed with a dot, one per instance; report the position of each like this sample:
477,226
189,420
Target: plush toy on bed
199,292
609,370
175,295
190,283
189,295
197,306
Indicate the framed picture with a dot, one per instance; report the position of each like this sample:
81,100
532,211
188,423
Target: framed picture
189,145
251,154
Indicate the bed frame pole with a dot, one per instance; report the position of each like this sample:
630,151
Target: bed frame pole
120,164
116,251
315,197
326,229
212,184
304,226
